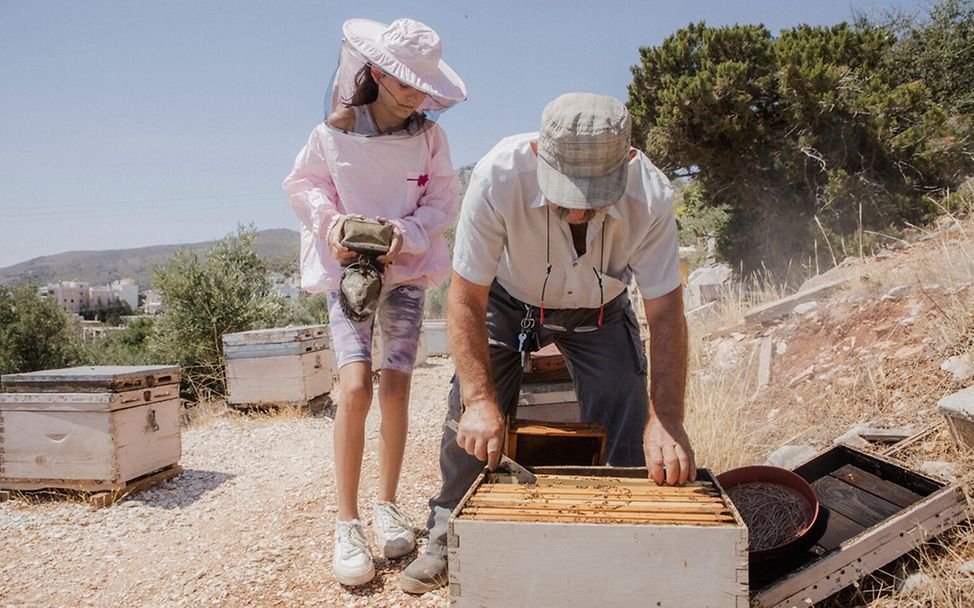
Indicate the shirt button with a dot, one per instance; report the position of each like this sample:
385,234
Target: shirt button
570,292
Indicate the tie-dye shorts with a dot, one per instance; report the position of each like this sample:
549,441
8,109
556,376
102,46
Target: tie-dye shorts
400,319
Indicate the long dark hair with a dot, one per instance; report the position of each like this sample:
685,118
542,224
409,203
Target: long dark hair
366,88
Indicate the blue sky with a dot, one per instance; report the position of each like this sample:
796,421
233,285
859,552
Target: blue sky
126,124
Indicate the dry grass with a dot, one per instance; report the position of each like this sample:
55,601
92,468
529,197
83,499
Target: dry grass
731,425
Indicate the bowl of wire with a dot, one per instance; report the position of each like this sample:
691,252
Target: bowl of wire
779,508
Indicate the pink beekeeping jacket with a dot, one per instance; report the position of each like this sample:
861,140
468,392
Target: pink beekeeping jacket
406,178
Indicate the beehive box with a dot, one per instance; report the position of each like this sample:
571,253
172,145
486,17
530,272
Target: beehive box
958,409
597,536
279,366
539,443
422,350
88,428
872,511
437,343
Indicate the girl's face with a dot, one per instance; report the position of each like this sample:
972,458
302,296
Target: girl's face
400,99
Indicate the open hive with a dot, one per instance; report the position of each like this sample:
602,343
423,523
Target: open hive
596,535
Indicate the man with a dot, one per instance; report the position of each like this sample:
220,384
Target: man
553,226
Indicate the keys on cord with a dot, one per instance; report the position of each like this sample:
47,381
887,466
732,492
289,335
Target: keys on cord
527,327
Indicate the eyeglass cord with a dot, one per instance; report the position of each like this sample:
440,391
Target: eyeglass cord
547,272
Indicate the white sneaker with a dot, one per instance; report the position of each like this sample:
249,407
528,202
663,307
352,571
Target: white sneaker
392,529
352,560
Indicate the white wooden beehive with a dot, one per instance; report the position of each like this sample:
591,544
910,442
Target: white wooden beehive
596,536
280,366
94,438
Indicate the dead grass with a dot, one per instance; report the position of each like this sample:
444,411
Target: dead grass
853,381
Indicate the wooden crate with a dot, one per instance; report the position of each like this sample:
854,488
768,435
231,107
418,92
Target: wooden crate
873,511
548,401
290,366
87,441
597,536
535,443
958,409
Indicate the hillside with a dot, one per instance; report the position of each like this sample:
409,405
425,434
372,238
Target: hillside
275,246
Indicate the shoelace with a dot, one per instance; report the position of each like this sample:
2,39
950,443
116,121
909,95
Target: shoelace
352,539
391,519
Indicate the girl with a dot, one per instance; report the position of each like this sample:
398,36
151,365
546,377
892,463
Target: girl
378,155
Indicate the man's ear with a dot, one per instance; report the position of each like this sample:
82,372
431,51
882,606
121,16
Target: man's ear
534,146
632,153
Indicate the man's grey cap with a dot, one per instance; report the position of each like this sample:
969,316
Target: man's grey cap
583,151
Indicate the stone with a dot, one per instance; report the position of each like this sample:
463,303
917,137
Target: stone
915,584
790,456
940,468
896,292
907,352
704,283
805,308
959,366
852,439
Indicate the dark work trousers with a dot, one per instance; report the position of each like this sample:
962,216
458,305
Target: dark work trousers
608,368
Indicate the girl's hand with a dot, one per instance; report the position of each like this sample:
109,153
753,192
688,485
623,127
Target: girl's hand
342,254
396,245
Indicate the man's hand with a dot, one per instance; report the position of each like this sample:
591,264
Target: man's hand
669,456
342,254
481,434
396,245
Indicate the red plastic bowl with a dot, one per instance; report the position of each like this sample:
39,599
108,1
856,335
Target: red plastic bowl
791,483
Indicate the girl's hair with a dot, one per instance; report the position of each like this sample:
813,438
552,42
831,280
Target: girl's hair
366,88
367,91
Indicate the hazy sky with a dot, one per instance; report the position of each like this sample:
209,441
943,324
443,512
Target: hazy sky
125,124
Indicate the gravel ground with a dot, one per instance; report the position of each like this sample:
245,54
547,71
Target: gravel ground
248,523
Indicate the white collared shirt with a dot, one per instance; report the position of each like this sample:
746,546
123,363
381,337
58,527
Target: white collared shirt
503,219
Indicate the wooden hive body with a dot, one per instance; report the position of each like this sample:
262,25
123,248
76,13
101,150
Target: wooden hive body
88,440
279,366
596,537
872,511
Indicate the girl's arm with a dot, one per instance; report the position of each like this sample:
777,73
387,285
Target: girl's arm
312,192
438,205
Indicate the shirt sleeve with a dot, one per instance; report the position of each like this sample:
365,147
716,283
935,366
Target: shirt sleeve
311,189
481,232
438,205
656,262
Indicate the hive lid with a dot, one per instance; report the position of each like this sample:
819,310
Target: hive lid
91,379
275,335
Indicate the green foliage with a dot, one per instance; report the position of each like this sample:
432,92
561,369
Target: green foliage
939,52
801,139
34,333
128,347
226,291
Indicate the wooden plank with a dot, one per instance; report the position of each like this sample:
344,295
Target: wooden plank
661,519
887,490
105,499
764,362
548,392
878,435
856,504
562,411
872,549
4,496
245,351
86,402
915,438
839,529
779,308
881,466
95,379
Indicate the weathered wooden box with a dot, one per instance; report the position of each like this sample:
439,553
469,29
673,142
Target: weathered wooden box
873,511
958,409
437,343
93,438
280,366
597,536
539,443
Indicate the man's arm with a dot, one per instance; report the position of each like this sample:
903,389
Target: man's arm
669,456
481,431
